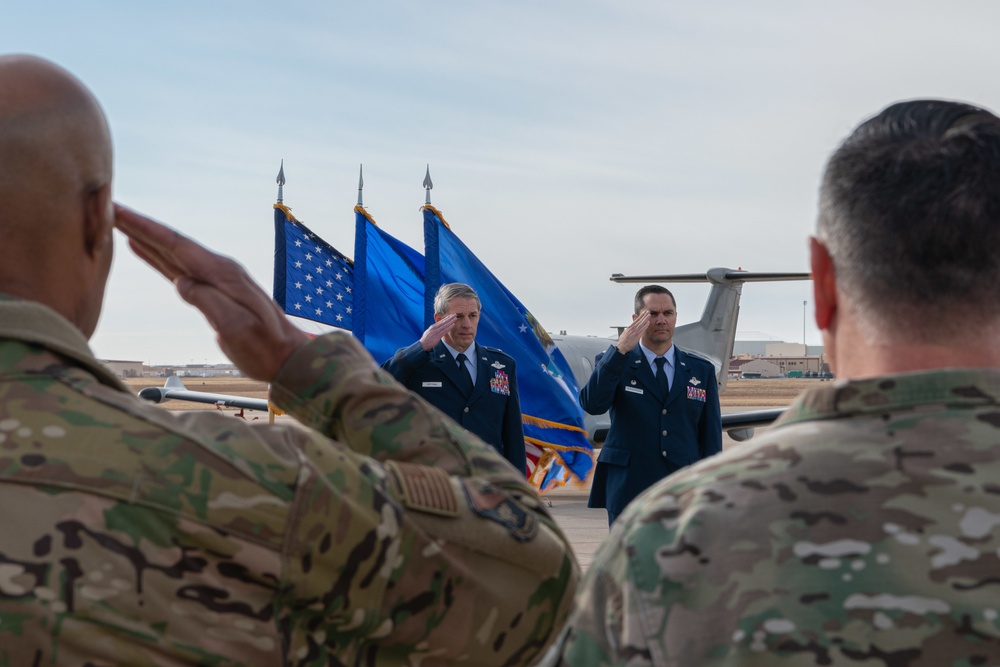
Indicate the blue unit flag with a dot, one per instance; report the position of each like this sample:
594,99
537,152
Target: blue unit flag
389,289
553,419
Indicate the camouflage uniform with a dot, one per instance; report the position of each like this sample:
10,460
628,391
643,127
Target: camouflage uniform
862,530
134,536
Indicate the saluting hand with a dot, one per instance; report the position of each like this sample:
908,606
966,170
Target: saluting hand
629,338
436,332
249,325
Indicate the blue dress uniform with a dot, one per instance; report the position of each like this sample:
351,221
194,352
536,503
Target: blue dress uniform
651,435
492,411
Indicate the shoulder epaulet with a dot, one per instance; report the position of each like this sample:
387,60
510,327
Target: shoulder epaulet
697,356
497,350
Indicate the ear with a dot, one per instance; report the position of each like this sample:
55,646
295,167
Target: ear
437,317
98,220
824,284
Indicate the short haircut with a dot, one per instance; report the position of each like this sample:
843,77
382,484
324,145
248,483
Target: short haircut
453,291
651,289
910,214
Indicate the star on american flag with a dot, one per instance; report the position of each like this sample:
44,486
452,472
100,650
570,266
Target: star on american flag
312,267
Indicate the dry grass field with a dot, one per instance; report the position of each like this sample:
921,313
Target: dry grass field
738,393
765,393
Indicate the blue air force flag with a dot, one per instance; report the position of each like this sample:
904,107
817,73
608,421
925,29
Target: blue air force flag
389,289
551,413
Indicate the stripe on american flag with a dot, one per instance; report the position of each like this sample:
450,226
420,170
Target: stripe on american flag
425,489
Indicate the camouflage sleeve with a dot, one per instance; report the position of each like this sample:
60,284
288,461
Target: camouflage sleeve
450,556
333,386
604,628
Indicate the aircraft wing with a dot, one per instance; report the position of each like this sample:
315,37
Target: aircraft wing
750,419
713,276
740,425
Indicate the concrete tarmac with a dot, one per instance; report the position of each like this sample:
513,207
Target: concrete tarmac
586,528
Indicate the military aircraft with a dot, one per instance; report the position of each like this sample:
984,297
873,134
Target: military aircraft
711,337
174,389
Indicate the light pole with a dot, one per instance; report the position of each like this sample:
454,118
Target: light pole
805,348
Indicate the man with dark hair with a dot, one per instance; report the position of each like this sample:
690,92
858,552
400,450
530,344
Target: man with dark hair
473,384
864,528
131,536
664,405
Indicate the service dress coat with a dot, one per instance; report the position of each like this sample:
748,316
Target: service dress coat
651,435
493,409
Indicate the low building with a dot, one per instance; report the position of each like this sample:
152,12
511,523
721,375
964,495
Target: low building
753,343
736,366
784,350
801,366
124,369
195,370
760,368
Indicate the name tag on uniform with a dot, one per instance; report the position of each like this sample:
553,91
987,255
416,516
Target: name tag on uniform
431,384
634,390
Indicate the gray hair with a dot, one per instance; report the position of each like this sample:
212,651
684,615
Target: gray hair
453,291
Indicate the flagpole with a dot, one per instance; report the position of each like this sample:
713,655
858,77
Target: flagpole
281,198
281,181
361,183
428,186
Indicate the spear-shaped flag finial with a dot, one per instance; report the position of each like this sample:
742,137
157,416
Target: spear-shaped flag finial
428,186
281,181
361,182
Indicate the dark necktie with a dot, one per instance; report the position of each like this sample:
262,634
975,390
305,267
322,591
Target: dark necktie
463,371
661,374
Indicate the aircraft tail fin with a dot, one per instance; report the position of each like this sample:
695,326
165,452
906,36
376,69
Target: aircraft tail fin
174,382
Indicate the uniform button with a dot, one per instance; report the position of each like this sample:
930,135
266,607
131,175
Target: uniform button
664,411
466,409
663,454
663,433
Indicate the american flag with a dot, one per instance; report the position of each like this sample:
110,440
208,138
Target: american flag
312,279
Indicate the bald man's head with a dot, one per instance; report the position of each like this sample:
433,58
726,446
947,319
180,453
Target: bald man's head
56,211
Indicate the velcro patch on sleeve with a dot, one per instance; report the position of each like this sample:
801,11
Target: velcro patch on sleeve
491,503
424,489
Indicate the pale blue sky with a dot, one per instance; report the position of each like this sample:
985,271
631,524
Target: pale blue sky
567,140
